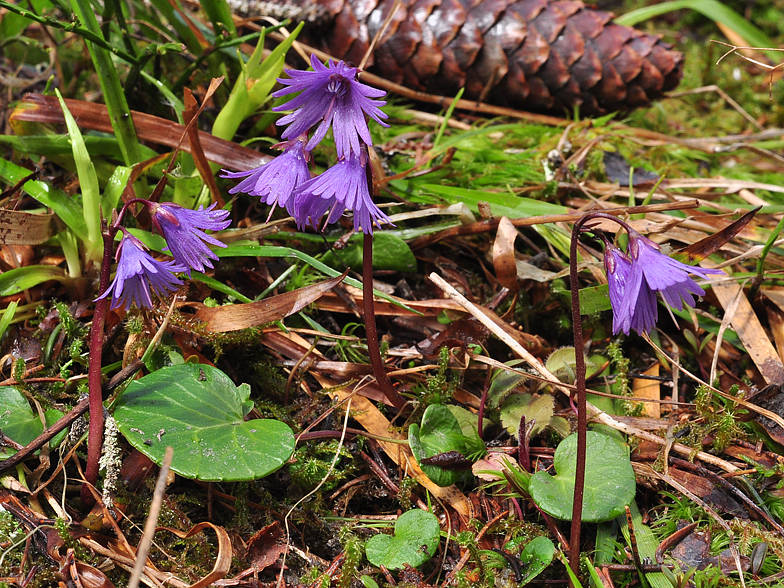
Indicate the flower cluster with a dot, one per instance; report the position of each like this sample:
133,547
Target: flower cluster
329,96
635,276
138,273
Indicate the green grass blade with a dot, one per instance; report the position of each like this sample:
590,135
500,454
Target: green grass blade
70,246
219,13
712,9
501,204
114,188
119,113
220,287
8,316
275,251
21,278
646,543
50,145
88,181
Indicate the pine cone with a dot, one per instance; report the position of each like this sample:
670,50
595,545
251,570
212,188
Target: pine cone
535,55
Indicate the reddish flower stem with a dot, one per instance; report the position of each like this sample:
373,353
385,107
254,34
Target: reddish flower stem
95,437
370,327
582,415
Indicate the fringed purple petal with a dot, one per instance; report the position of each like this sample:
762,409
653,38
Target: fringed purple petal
342,187
137,271
186,238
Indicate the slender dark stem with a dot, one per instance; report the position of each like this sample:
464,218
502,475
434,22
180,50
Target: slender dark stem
95,437
370,327
582,416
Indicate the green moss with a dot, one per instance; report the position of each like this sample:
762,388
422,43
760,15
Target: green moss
354,549
439,388
311,464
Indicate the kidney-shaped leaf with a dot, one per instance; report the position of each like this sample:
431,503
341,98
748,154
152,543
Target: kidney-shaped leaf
609,480
17,420
19,423
415,541
440,433
199,411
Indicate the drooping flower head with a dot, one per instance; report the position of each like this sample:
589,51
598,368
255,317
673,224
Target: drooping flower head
635,278
618,267
343,186
183,230
276,180
330,95
138,273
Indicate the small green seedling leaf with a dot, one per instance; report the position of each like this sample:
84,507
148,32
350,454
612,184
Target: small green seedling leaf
415,541
535,408
440,433
536,556
199,411
609,480
503,383
563,364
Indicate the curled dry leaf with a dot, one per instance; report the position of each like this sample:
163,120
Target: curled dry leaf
709,245
46,109
504,254
266,546
18,227
253,314
225,553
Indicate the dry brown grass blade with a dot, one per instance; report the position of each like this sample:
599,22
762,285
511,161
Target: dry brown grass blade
332,303
570,217
751,333
376,423
152,520
46,109
253,314
190,116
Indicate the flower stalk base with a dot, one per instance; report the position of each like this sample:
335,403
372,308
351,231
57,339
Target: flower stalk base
371,333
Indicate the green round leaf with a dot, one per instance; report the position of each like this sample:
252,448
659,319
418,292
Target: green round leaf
17,419
415,541
609,480
20,423
440,432
536,556
199,412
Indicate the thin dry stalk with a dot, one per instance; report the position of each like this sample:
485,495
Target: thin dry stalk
152,520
